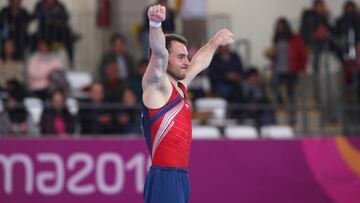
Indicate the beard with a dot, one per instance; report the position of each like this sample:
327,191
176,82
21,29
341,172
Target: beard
176,74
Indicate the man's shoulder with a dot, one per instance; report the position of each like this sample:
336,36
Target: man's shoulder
4,12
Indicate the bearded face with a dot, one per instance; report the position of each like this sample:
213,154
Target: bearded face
178,61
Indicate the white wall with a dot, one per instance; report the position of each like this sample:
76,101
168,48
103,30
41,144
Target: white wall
254,19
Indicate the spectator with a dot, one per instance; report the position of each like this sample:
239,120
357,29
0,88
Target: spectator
20,121
17,116
318,35
56,119
315,27
225,72
168,26
11,68
289,58
40,66
113,85
348,30
53,24
128,116
14,22
118,53
94,117
288,55
255,97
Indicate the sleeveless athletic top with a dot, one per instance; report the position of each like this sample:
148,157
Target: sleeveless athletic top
168,131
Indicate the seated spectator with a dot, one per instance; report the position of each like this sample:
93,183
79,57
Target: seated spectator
14,21
225,72
128,116
254,95
39,67
95,118
118,53
56,119
53,26
21,122
113,85
11,68
135,82
17,116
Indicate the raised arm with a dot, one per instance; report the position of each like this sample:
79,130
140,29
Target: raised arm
203,57
156,86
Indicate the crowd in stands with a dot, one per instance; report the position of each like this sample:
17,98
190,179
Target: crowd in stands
36,65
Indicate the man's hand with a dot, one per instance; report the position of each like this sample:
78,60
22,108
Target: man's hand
157,13
223,37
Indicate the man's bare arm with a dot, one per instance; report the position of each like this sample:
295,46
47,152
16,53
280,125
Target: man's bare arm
155,84
203,57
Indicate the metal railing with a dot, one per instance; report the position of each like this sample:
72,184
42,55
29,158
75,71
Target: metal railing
308,119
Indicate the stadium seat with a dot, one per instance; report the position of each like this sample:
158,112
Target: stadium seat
72,105
1,106
217,106
35,108
205,132
78,80
277,132
241,132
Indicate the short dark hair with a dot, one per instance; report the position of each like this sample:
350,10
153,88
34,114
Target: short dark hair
58,91
117,36
317,2
251,72
14,55
174,37
348,4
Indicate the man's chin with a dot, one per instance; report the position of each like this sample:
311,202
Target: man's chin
178,77
181,77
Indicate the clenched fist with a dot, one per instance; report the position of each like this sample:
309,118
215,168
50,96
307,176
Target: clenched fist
157,13
223,37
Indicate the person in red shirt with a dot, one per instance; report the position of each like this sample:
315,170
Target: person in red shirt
289,58
56,118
